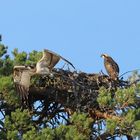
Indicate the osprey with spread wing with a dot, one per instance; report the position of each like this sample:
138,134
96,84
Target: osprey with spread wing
22,74
48,61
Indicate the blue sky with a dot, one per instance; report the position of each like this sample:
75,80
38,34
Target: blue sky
79,30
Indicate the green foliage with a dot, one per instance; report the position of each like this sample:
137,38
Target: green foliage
125,96
6,83
79,129
124,100
31,135
11,99
24,59
129,124
6,64
44,134
124,104
3,50
34,56
111,125
7,91
105,98
19,58
130,117
136,130
18,123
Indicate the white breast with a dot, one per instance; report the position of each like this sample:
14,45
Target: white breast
42,68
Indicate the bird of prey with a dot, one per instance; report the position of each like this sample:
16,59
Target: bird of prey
22,76
48,61
111,66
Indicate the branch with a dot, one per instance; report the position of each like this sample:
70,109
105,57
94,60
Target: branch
103,115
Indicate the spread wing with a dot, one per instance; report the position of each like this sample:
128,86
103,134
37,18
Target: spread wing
22,92
52,59
55,58
22,77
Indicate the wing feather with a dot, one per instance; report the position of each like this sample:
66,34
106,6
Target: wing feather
56,57
22,76
22,92
112,67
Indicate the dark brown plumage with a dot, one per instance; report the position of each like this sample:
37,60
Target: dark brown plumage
111,66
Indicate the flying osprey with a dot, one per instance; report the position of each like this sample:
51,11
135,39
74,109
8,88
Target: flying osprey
22,76
48,61
111,66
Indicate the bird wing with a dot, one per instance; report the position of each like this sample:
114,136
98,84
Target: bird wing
55,58
22,81
22,91
112,67
52,59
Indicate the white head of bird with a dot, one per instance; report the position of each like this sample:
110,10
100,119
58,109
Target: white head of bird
104,55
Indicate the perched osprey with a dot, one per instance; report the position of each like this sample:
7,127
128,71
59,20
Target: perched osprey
111,66
22,76
48,61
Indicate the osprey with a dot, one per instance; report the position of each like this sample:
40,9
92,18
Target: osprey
48,61
111,66
22,76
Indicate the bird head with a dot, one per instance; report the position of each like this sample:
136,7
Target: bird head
104,55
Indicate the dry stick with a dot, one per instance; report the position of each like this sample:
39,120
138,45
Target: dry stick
64,76
128,72
104,115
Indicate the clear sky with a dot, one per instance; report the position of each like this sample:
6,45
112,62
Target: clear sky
79,30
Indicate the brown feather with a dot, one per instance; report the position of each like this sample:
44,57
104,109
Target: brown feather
22,76
112,67
55,58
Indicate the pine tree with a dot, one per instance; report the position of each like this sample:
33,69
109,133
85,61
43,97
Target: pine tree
69,106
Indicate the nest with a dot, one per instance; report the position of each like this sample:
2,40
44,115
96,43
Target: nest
67,92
